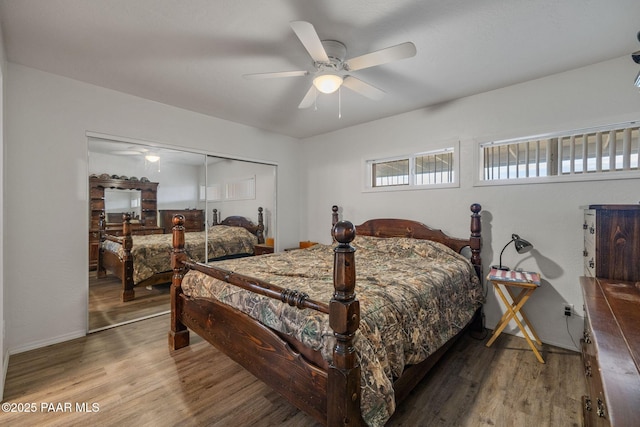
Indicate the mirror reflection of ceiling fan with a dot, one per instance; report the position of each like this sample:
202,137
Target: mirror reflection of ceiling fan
332,70
135,150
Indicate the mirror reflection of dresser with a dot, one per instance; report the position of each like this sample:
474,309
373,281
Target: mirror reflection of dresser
193,219
145,213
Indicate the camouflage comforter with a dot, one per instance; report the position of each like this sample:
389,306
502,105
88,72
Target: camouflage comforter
152,253
414,295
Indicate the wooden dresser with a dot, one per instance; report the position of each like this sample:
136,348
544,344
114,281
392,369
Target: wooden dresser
611,352
148,218
193,219
611,291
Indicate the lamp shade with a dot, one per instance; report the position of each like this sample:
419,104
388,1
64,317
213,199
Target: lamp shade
152,158
327,83
521,245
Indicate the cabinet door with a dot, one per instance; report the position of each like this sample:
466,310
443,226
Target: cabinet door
618,240
589,253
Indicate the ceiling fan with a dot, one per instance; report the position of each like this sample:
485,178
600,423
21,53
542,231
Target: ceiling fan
332,70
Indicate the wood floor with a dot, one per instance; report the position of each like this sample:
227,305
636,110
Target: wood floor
106,308
132,378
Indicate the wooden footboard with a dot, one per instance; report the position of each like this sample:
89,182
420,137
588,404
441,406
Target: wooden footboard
332,395
259,350
122,268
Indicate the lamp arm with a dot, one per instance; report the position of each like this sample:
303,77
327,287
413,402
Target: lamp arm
505,247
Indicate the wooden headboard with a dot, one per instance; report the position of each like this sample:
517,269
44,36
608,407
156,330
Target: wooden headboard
240,221
387,227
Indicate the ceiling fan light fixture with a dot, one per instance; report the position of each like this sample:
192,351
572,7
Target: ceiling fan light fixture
327,83
152,158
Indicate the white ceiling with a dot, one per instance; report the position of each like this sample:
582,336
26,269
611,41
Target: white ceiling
193,53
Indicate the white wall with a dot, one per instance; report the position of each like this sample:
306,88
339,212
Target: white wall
46,151
548,215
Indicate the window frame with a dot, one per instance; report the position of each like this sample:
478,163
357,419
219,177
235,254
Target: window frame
480,181
453,147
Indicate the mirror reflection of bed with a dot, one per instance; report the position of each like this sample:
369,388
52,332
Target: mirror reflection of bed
189,183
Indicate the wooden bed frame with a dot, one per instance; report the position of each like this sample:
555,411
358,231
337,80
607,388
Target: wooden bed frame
330,393
122,268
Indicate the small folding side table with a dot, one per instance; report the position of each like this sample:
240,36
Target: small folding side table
513,281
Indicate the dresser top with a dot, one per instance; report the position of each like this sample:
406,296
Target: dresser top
615,207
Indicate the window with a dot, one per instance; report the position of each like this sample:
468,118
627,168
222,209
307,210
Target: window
421,170
392,172
240,189
586,152
234,189
434,168
211,193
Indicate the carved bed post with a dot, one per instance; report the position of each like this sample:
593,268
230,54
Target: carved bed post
215,217
476,239
128,292
334,219
102,225
343,377
178,334
260,230
475,242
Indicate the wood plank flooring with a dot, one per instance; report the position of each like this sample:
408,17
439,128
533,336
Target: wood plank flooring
106,308
134,379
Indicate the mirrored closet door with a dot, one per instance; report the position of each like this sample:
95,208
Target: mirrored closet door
145,186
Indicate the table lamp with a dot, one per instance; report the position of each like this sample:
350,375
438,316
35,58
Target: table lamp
521,245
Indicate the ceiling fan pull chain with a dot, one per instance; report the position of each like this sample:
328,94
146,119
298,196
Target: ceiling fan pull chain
339,103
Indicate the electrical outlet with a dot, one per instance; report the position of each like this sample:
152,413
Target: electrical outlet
568,309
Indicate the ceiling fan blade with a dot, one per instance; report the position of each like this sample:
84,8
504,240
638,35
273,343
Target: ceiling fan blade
275,75
382,56
364,89
309,98
310,40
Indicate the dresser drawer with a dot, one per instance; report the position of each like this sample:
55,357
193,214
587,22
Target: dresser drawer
609,347
594,405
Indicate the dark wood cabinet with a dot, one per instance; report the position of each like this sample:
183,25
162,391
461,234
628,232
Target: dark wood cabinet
262,249
147,224
193,219
612,242
611,352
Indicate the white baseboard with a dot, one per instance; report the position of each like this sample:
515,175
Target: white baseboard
512,329
49,341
